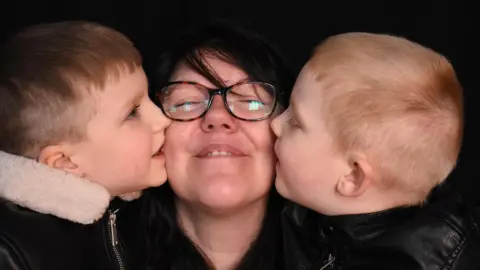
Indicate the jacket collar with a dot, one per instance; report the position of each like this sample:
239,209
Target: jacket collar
354,229
344,229
40,188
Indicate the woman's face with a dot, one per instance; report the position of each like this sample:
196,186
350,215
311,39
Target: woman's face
218,161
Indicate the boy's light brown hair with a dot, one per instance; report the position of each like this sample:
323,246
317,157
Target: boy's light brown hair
47,72
395,101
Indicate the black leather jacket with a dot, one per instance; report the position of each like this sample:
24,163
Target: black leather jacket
34,241
444,234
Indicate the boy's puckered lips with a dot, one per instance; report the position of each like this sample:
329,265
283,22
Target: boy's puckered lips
159,150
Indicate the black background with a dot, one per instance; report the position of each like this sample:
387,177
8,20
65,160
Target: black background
449,27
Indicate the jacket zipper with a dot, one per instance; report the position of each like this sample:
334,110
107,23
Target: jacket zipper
112,233
329,263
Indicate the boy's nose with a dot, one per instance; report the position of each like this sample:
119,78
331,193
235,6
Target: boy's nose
158,120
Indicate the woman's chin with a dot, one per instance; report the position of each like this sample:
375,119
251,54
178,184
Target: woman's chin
227,200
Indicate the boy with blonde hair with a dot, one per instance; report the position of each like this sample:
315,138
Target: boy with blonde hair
78,129
374,125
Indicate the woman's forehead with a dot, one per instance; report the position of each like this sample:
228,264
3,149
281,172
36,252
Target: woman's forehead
228,73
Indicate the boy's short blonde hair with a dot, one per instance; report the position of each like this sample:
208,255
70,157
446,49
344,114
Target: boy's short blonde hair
395,101
46,74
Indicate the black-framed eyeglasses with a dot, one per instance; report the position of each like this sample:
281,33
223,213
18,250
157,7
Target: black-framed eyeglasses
187,101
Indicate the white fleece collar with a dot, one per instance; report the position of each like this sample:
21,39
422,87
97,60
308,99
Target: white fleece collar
38,187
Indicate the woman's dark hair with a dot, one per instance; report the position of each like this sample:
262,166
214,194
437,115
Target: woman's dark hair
229,42
167,245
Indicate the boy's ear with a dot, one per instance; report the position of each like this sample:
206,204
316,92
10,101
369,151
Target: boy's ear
358,179
59,157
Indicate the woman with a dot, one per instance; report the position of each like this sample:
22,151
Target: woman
220,85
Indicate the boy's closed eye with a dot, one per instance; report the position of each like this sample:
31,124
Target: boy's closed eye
291,118
293,122
133,114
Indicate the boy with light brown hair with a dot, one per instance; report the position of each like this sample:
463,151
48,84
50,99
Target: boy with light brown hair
375,123
78,129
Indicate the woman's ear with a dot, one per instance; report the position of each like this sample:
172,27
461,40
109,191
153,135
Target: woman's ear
59,157
355,182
